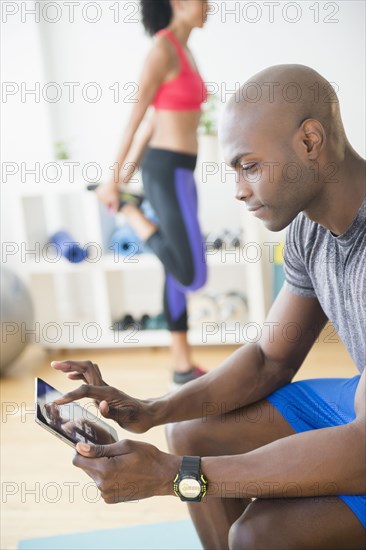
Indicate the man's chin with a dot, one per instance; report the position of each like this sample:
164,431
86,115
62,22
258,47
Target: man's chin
275,225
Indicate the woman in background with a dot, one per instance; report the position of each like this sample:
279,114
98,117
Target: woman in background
167,153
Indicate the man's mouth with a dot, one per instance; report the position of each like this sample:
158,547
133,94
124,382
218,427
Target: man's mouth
254,207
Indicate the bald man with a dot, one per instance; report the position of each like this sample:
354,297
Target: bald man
297,448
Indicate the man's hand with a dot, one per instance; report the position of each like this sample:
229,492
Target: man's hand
81,370
86,371
128,470
131,414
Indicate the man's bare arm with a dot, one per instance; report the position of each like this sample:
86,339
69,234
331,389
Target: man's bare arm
253,371
247,376
329,461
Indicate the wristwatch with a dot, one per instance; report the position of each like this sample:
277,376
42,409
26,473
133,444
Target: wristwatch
189,484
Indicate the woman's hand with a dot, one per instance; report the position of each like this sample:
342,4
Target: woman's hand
108,194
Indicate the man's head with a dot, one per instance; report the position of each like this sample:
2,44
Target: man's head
279,133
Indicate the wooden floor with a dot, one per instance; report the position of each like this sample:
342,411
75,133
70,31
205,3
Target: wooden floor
42,493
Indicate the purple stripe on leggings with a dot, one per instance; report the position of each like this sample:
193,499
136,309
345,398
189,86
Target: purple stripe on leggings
186,193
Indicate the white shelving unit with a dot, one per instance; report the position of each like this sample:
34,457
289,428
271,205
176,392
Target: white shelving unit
76,304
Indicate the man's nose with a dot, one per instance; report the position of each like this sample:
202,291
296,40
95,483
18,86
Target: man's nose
243,190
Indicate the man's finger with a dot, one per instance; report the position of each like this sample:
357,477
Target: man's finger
104,409
75,376
85,390
70,366
101,451
85,464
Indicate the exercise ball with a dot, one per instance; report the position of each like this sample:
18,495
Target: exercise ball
16,317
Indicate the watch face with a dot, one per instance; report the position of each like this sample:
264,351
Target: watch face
189,487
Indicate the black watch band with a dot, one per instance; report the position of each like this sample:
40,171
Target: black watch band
192,465
189,484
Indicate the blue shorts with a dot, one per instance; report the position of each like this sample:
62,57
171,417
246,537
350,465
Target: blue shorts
321,403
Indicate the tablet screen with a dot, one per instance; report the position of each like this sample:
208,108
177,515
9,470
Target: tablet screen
70,421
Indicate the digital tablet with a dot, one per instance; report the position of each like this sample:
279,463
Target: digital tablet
70,422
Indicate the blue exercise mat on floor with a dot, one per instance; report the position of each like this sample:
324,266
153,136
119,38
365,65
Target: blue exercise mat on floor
175,535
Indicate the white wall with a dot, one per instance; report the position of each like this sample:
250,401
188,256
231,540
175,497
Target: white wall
25,119
229,50
233,51
26,128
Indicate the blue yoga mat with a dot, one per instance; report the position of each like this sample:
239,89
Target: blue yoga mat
176,535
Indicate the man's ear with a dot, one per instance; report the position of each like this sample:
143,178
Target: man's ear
313,137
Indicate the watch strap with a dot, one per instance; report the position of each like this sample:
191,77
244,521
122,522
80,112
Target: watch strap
191,464
190,468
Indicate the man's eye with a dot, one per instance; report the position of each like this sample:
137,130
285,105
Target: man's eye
249,167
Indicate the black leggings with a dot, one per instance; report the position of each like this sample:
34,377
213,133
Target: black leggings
171,189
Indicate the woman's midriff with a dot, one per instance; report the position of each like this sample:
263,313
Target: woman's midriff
176,131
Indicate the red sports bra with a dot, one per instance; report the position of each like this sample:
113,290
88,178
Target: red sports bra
186,91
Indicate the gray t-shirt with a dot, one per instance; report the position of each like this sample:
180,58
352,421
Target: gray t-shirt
334,270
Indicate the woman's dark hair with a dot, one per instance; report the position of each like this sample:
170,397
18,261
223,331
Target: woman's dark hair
156,15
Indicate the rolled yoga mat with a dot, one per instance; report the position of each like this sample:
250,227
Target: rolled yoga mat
68,248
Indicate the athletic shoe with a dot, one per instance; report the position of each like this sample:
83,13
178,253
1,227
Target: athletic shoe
127,322
156,322
181,378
